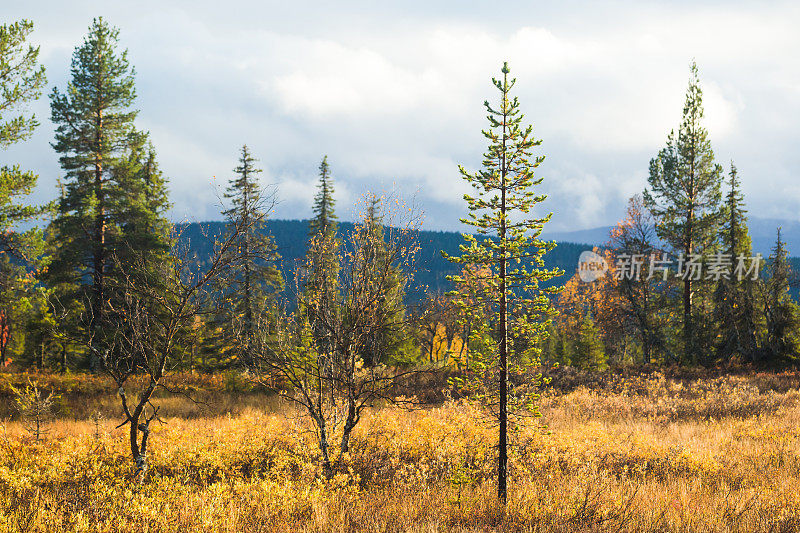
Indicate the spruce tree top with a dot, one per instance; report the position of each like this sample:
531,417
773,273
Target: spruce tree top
735,236
324,220
243,190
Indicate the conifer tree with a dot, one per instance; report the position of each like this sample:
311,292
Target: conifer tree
782,313
141,203
21,82
590,353
512,254
252,288
320,293
324,219
735,310
556,348
94,130
684,197
141,248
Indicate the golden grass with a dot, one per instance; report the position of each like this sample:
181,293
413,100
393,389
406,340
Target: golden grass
648,453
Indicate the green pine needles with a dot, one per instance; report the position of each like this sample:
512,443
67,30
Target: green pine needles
507,308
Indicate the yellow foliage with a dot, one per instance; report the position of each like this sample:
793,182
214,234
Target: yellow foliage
647,453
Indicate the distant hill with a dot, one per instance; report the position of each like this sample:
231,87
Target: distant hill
762,232
431,272
291,235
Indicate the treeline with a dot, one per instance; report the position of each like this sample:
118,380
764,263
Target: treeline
701,297
64,288
431,270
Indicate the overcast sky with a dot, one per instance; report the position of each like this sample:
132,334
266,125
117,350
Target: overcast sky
393,92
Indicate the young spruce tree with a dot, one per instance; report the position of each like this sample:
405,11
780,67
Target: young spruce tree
589,349
735,298
252,288
782,313
511,253
141,202
320,292
390,342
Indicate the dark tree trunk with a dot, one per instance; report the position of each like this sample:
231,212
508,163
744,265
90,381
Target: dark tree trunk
502,464
99,249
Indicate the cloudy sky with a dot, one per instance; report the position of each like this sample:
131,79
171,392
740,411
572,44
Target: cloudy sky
393,92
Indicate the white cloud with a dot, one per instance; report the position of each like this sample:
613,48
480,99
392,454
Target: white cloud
393,95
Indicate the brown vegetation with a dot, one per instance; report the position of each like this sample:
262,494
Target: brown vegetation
645,452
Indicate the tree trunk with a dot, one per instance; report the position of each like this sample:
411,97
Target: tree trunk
139,450
502,464
64,358
349,424
324,446
99,251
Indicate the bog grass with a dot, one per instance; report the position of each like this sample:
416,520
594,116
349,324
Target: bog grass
647,452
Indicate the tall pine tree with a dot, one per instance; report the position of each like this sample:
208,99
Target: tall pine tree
684,197
94,131
512,254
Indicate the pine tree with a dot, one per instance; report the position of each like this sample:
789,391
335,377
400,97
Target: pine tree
684,197
735,310
782,313
253,287
511,252
94,129
21,82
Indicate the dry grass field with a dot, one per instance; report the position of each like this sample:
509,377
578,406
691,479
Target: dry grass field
640,453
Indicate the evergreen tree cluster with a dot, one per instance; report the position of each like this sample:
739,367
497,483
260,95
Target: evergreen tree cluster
690,209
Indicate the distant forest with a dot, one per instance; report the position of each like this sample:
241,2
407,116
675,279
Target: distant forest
291,239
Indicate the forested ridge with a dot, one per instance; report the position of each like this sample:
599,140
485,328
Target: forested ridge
431,269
